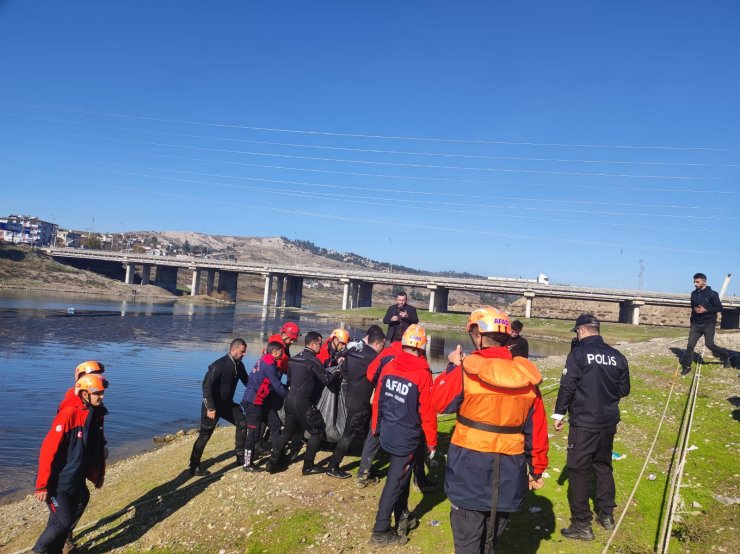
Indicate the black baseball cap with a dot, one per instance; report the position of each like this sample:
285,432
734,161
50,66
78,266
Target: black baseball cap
586,319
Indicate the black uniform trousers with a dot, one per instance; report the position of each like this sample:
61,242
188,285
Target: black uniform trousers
395,496
233,415
707,329
370,450
355,425
470,529
295,425
590,450
65,510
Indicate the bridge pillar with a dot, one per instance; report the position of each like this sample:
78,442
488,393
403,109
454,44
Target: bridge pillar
345,293
166,277
279,283
146,274
364,294
130,272
195,287
227,281
210,280
730,318
635,319
529,296
438,298
293,291
629,311
268,289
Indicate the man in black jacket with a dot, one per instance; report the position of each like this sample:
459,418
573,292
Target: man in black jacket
595,378
398,318
219,386
516,343
306,379
357,358
705,305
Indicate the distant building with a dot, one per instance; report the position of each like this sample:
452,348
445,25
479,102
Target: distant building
26,229
69,238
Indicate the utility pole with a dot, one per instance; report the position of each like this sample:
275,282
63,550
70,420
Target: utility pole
641,274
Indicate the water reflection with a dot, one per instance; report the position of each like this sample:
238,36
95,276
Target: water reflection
155,355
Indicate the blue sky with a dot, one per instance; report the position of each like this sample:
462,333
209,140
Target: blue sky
573,139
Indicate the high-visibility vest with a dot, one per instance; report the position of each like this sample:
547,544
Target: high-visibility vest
497,396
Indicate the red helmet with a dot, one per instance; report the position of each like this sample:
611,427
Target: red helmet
291,329
90,366
91,382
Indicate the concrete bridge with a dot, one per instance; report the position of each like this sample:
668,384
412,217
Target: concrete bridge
283,284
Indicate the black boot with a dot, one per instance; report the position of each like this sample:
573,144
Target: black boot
578,530
248,465
686,362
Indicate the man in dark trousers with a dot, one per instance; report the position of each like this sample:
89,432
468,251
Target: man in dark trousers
516,343
595,378
219,386
306,380
357,358
399,317
705,305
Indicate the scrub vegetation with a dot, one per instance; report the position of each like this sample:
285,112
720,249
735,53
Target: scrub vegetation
149,505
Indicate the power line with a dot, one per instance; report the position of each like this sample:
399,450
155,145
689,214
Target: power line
375,136
381,151
368,188
391,223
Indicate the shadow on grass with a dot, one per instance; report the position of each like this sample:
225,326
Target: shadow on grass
528,528
150,509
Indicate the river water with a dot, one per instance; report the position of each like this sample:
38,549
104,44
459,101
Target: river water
155,356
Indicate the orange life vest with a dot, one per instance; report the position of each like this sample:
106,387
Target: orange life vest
497,396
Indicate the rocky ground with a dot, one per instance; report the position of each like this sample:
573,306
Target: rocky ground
149,504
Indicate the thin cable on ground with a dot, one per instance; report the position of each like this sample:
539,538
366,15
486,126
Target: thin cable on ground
667,523
644,466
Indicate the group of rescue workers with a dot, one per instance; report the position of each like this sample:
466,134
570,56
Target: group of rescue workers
498,450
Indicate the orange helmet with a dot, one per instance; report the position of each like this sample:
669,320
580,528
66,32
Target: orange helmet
341,334
91,382
489,320
291,329
415,337
90,366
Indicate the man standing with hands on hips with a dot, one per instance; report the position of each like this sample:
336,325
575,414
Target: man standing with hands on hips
399,317
595,378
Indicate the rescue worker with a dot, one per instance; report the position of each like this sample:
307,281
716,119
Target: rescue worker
402,418
307,378
85,368
365,476
357,358
595,378
332,350
516,343
219,385
398,317
263,386
499,447
705,305
73,451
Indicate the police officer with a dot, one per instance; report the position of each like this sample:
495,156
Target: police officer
595,378
705,305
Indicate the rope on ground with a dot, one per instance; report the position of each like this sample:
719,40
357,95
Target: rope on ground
676,477
644,466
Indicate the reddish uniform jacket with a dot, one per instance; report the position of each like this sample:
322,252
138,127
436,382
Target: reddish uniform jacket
328,354
283,361
403,415
73,449
385,356
469,478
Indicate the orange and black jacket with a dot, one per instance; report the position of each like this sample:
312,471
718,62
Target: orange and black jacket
499,414
74,448
403,415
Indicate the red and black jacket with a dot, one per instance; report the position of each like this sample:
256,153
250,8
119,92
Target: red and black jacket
403,415
74,448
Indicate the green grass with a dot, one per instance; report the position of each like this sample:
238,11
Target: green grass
287,533
534,327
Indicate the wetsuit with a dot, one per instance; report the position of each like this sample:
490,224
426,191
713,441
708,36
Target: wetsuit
219,385
307,378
